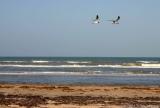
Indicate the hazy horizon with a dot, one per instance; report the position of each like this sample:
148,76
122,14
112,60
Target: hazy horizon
64,28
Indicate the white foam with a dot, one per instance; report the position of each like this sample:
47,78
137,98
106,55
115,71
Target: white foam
39,61
76,62
87,66
146,62
12,61
76,74
41,73
151,65
26,66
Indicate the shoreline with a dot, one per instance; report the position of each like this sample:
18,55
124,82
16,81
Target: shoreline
82,80
27,95
79,84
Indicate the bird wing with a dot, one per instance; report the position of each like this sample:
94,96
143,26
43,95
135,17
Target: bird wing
118,18
97,17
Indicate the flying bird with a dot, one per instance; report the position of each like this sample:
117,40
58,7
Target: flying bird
96,20
115,21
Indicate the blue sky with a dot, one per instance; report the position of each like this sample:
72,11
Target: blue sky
64,28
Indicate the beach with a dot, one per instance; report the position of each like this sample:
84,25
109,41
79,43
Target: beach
14,95
79,82
79,54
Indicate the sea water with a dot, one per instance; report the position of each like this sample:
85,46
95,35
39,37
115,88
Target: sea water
81,70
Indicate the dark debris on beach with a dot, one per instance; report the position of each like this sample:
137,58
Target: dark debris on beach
22,100
34,101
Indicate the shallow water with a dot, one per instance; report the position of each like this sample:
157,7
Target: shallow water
80,70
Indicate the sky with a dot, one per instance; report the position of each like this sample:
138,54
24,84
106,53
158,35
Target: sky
64,28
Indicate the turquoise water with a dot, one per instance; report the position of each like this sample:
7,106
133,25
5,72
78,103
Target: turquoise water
81,70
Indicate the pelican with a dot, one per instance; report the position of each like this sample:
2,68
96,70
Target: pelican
115,21
97,20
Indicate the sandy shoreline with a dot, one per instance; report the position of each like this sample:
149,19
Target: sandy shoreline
78,96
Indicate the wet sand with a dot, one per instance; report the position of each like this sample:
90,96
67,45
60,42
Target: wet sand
78,96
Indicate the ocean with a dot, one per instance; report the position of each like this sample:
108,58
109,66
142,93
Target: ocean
81,70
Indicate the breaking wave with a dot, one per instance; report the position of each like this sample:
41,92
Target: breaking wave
76,62
39,61
146,62
89,66
93,73
12,61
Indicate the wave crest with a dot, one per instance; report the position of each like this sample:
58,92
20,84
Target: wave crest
87,66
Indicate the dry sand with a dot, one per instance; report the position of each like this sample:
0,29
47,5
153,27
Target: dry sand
78,96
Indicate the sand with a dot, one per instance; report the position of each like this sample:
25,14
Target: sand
78,96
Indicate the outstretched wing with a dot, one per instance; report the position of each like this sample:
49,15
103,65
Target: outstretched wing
97,17
118,18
